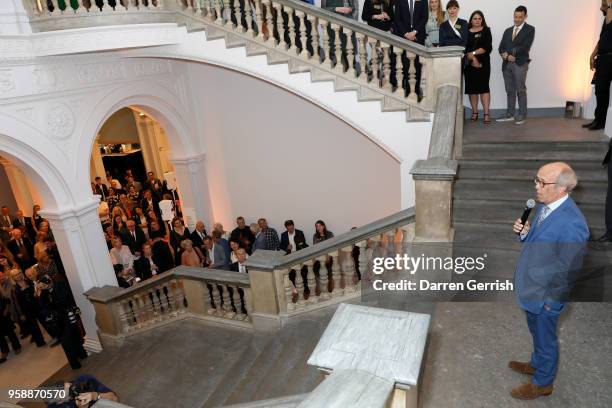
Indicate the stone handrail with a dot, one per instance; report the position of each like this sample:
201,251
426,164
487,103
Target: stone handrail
323,274
183,291
434,176
374,61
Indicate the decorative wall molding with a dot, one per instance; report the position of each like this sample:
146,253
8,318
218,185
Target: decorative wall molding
89,40
59,121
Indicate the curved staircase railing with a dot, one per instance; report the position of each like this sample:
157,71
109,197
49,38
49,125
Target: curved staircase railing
376,64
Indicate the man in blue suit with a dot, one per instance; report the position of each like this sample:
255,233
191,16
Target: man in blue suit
550,260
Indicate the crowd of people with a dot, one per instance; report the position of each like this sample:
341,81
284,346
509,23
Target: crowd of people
34,289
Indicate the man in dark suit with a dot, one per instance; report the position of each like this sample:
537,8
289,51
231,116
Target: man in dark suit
549,264
409,23
149,202
146,266
601,62
22,249
6,224
133,236
198,235
243,234
293,239
514,50
101,189
155,185
24,224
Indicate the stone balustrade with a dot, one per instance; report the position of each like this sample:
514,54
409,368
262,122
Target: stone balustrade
216,295
323,274
376,64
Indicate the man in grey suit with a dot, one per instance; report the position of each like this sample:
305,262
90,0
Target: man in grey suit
215,257
514,50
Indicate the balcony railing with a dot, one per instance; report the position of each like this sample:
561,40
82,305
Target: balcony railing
373,62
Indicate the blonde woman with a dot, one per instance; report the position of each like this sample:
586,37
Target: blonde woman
435,20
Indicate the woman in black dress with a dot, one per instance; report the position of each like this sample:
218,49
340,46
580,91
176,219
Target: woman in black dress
478,64
178,234
378,14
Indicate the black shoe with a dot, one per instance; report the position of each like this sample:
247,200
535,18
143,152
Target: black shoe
604,238
55,343
23,336
597,126
75,365
17,351
587,125
43,344
2,360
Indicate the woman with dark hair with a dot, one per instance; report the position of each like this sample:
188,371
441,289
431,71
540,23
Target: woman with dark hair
478,64
435,20
378,14
118,224
160,246
453,31
178,234
321,233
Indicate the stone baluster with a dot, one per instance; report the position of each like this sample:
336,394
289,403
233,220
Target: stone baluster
248,13
155,304
350,52
237,15
210,7
137,307
291,29
412,96
314,33
312,282
260,20
323,278
219,19
279,25
336,275
237,303
228,313
299,286
374,61
207,299
198,7
147,311
216,296
181,296
339,67
363,56
386,66
288,288
189,6
348,269
248,302
327,44
124,313
424,66
399,71
302,18
269,20
159,4
363,259
81,7
56,9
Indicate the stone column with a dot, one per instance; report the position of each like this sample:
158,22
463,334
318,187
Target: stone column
81,243
19,185
148,144
96,161
193,188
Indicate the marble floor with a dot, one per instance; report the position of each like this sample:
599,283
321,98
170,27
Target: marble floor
31,367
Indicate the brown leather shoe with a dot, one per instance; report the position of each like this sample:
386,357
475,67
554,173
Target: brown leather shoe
531,391
523,368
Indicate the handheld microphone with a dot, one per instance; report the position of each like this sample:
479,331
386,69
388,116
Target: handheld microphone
529,205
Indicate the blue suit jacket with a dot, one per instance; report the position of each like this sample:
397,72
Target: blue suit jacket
551,258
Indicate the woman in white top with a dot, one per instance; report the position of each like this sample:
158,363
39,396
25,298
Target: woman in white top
121,254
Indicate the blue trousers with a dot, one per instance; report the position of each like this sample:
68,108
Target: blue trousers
545,356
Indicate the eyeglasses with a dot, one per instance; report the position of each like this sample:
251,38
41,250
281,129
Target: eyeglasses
539,182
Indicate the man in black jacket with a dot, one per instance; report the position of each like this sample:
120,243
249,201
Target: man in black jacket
243,234
22,249
514,50
293,239
146,266
101,188
133,237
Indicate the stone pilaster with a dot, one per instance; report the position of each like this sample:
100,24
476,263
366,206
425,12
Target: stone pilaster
192,180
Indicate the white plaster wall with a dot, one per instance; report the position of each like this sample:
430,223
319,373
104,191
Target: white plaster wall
566,32
272,154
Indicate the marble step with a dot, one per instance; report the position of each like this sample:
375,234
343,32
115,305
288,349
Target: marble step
283,402
504,173
549,151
